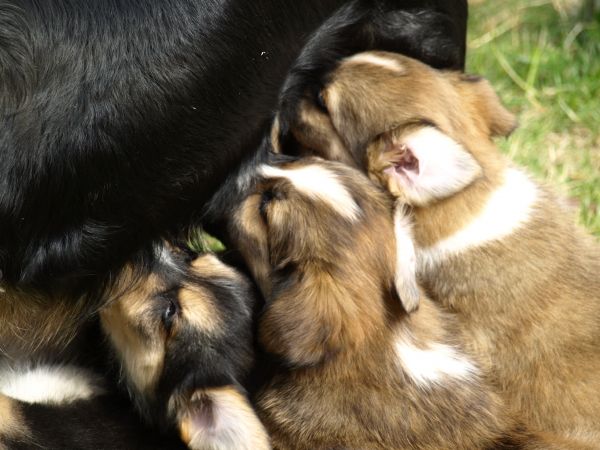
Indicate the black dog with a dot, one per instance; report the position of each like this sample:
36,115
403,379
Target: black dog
119,118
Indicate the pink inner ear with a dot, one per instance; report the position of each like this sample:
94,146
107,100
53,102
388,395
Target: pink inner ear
405,160
203,413
404,163
427,164
221,417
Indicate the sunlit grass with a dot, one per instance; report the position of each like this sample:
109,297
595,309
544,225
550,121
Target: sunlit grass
544,61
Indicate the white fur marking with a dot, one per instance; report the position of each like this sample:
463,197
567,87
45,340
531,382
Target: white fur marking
165,256
507,209
432,365
48,384
317,182
376,60
406,264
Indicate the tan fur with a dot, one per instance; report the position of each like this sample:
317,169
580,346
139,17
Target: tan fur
528,303
211,266
332,317
33,323
11,422
135,334
199,310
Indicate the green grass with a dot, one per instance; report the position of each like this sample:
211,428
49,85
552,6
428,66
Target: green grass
202,242
545,64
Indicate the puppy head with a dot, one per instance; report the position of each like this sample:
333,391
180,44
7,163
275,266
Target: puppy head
181,332
428,123
319,238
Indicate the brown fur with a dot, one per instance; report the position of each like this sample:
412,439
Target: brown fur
35,324
332,316
528,303
11,423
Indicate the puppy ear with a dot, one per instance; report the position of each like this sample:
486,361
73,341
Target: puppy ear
405,276
303,323
221,418
425,165
498,120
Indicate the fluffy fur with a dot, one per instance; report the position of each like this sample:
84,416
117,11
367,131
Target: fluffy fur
120,118
122,113
183,343
496,247
357,371
105,421
179,333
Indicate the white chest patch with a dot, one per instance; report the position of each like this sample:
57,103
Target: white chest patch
433,364
406,264
507,209
317,182
48,384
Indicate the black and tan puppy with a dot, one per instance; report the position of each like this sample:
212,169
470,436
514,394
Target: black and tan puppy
492,244
181,336
358,371
184,343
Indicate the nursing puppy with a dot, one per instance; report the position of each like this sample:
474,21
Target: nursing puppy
492,245
185,347
119,119
116,113
181,337
358,372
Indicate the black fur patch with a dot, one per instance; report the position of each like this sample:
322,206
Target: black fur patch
120,118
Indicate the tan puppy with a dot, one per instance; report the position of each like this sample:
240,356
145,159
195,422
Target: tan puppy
361,373
492,244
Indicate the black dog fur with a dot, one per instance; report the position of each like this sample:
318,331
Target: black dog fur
119,118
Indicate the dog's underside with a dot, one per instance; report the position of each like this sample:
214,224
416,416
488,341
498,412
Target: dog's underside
120,118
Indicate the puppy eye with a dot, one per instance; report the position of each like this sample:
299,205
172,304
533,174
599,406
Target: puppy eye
320,101
169,314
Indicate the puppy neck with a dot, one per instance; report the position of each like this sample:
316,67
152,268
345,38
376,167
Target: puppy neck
492,208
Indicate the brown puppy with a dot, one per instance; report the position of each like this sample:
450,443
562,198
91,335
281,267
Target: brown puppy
492,244
36,325
360,373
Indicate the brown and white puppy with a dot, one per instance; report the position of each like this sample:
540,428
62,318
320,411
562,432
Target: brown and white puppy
184,342
358,371
492,244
